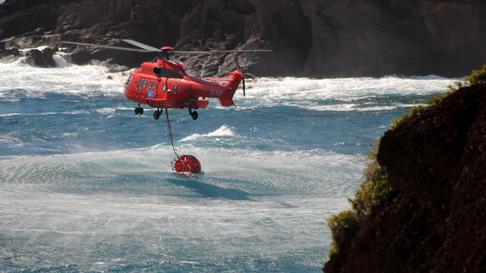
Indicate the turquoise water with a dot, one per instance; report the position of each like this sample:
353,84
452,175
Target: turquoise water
85,185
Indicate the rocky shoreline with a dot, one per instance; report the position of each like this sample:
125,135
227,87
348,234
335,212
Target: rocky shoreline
308,38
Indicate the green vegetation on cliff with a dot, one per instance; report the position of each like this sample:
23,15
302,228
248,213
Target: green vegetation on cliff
477,77
373,193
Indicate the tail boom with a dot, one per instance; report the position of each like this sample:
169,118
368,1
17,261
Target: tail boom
226,99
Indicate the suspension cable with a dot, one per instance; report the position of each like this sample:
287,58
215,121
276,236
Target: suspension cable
169,131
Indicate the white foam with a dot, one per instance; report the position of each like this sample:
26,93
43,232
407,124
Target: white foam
10,139
356,107
69,79
300,92
75,112
106,110
223,131
60,60
347,92
70,134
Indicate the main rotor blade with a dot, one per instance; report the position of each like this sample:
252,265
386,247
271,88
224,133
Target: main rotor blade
221,51
105,46
141,45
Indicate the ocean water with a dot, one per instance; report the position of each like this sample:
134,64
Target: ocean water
87,186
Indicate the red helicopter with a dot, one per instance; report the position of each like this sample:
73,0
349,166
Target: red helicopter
163,84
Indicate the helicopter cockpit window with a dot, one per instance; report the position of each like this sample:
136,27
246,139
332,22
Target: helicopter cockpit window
129,80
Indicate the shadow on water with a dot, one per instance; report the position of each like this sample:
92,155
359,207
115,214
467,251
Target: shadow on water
208,190
145,184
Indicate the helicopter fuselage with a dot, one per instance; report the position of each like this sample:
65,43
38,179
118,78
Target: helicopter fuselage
165,84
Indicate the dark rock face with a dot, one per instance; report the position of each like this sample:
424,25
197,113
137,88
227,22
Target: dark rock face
41,58
308,37
12,52
437,163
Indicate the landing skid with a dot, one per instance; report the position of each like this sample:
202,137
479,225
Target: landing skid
138,110
157,113
193,114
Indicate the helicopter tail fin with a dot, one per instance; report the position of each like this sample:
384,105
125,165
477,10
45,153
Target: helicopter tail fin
227,98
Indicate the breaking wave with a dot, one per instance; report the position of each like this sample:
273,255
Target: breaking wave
345,94
223,131
66,79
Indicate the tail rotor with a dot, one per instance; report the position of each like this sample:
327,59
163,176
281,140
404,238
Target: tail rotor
244,85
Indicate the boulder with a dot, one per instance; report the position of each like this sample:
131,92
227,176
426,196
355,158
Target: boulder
41,58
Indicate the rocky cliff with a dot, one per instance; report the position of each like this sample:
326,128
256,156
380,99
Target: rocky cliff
434,220
309,37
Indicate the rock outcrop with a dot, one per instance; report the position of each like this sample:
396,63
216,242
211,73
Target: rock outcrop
436,164
41,58
312,38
